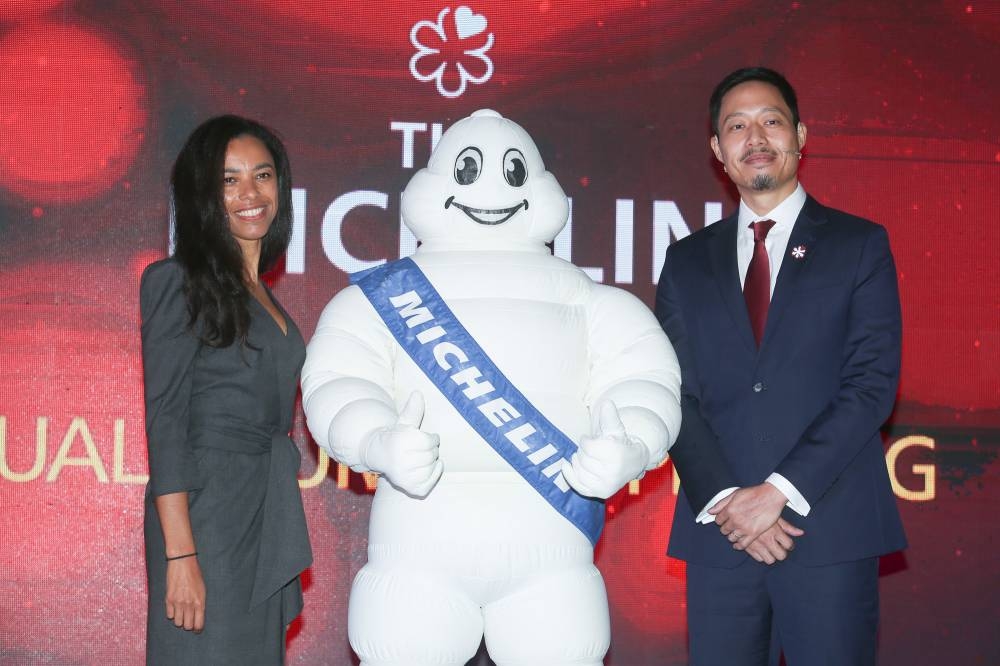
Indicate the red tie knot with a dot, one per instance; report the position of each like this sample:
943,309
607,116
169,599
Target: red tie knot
760,229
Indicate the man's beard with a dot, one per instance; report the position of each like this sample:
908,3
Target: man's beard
763,182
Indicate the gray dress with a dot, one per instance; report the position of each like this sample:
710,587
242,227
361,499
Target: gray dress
217,423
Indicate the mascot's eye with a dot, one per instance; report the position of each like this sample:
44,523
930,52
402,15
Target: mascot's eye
468,165
515,169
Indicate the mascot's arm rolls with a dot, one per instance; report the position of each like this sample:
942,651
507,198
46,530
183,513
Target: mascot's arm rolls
634,394
347,397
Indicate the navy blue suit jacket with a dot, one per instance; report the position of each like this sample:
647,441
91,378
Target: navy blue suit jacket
808,404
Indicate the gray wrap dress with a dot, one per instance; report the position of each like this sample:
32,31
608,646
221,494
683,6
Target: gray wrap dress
217,422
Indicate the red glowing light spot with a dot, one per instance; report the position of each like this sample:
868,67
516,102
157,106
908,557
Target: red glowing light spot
140,260
976,344
584,181
76,113
968,9
677,568
20,10
243,91
37,212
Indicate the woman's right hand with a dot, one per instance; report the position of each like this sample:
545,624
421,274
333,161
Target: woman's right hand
186,594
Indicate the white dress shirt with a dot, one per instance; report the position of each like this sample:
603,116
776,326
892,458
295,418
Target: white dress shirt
776,243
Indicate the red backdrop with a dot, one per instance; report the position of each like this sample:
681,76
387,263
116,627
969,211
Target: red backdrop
96,98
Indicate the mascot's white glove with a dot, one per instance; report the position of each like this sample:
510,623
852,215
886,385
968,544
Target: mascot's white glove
404,454
607,460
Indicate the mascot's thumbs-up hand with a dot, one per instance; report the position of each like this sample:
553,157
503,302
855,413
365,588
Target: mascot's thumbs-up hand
403,453
607,460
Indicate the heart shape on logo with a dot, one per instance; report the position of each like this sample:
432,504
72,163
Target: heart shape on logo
467,23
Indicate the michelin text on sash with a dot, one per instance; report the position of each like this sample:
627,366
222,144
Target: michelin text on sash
478,390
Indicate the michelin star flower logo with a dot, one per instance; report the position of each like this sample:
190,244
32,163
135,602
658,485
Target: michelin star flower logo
799,251
462,39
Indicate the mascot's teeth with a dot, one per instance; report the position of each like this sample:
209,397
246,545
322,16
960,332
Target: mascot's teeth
488,216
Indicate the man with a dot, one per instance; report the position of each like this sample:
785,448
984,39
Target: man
785,318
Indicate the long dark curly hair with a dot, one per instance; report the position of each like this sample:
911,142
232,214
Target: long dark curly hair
217,296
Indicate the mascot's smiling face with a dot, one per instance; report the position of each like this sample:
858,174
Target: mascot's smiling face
485,188
468,169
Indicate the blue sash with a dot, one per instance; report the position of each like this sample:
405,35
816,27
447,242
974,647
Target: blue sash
427,329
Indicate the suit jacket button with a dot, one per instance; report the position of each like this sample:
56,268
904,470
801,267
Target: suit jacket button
758,387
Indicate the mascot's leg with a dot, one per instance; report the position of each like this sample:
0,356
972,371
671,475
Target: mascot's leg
407,616
557,619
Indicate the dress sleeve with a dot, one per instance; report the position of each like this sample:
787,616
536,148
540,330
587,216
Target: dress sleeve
169,349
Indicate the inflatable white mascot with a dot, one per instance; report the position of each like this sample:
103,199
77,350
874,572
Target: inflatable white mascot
501,395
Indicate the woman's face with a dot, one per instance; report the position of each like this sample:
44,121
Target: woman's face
250,189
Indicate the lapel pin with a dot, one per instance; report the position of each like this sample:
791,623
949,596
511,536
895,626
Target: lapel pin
799,251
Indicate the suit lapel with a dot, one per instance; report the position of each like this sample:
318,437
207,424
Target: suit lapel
722,254
805,233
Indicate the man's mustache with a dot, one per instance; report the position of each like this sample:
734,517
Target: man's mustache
754,151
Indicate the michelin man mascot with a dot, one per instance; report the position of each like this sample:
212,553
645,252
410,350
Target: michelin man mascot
501,396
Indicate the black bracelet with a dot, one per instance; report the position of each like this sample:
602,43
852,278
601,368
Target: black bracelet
181,557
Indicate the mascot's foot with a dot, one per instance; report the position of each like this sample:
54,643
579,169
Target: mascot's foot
551,663
499,663
409,662
406,616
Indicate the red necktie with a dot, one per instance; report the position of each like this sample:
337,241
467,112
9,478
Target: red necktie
757,286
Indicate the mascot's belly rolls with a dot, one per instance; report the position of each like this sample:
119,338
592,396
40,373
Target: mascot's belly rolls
501,395
528,314
528,311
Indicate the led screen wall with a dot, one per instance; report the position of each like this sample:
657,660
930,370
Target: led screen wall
97,97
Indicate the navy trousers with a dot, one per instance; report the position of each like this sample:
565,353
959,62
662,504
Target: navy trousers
748,615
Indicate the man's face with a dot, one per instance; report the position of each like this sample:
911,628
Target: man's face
757,141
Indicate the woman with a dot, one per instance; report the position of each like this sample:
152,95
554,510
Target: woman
224,527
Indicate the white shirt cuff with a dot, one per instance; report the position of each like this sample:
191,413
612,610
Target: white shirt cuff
796,502
705,517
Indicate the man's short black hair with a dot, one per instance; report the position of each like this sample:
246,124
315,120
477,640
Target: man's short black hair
744,75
